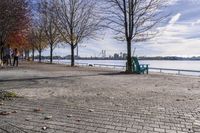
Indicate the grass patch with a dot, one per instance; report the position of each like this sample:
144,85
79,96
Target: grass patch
10,95
6,95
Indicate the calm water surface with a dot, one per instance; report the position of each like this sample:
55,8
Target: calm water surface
185,65
188,65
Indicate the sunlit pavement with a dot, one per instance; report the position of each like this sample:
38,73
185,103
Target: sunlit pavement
171,111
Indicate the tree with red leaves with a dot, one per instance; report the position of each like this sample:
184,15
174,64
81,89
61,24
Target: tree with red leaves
14,21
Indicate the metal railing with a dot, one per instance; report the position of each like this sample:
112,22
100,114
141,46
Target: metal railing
178,71
161,70
123,67
110,66
82,64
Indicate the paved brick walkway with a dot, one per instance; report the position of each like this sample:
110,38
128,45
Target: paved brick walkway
110,119
138,114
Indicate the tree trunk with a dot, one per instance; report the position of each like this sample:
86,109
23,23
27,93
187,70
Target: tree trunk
40,56
27,54
129,62
72,55
51,53
1,50
1,53
33,54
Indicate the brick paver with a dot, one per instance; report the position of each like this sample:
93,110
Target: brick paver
99,115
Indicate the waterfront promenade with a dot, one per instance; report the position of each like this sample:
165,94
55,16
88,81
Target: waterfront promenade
60,99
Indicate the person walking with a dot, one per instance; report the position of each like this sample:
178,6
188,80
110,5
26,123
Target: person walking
7,52
16,57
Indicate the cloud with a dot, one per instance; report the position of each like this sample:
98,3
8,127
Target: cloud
196,22
172,2
177,39
175,18
180,36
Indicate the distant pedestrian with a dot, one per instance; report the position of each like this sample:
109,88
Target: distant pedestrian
7,52
16,57
1,63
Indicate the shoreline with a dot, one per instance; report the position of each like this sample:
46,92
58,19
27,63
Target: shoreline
151,70
106,69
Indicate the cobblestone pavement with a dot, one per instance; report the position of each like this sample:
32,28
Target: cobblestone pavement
151,112
112,119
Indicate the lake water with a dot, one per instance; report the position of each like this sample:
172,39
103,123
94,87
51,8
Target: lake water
185,65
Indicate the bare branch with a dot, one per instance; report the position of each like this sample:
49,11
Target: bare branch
133,20
77,20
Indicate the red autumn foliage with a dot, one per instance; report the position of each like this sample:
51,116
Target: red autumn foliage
18,40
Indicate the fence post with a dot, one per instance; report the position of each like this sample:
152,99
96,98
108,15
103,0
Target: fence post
179,72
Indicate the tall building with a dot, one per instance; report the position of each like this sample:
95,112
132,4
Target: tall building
121,55
103,53
116,56
124,55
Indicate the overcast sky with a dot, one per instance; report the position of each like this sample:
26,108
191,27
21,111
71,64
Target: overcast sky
180,36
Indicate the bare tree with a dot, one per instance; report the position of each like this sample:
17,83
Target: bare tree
32,42
37,40
133,20
78,20
38,37
40,42
51,31
37,34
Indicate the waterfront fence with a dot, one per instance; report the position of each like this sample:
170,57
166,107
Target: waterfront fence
123,67
153,69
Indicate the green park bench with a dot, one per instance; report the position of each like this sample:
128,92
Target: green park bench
139,68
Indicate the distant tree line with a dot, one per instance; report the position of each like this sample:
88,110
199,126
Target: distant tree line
197,58
169,58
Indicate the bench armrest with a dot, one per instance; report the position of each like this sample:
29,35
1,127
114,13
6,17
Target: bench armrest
147,65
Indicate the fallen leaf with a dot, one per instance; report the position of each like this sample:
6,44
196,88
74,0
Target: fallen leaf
4,113
14,111
91,110
69,115
48,117
44,128
118,105
37,110
27,119
78,120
